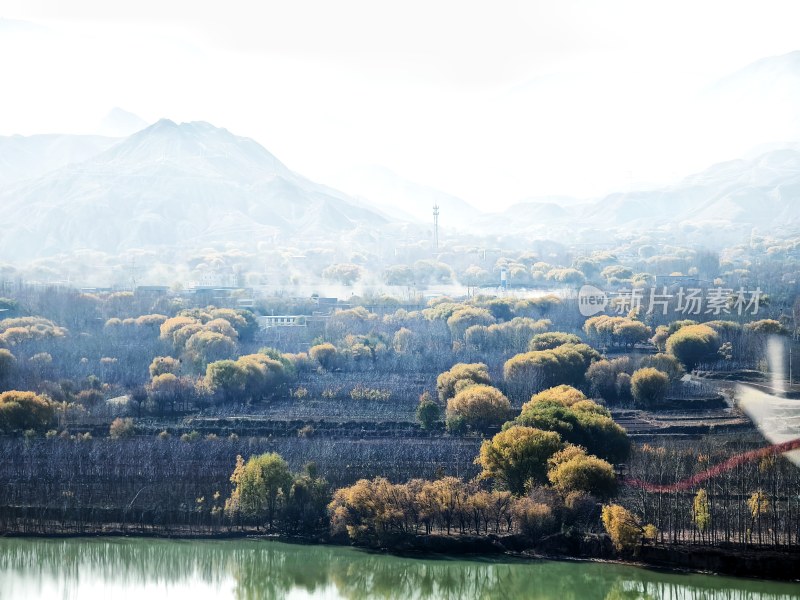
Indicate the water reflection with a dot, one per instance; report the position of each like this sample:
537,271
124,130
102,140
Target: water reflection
250,569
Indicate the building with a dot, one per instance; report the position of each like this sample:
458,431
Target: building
269,321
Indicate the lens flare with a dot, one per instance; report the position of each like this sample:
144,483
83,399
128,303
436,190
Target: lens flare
731,463
776,417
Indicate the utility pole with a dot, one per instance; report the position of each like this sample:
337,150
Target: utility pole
436,226
133,273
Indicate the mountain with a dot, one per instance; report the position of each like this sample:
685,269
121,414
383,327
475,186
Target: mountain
24,157
761,192
176,185
121,123
530,215
734,197
404,199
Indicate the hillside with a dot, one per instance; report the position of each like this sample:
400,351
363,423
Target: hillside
187,184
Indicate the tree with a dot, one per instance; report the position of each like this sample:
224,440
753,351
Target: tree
534,519
565,395
164,391
602,376
169,328
223,327
623,528
616,331
701,512
399,275
466,317
567,276
265,377
8,366
518,455
242,320
693,344
766,327
572,470
551,340
583,423
25,410
428,411
227,377
345,273
447,382
306,506
666,363
259,485
649,386
480,407
566,364
513,335
758,503
403,340
164,364
325,354
121,428
208,346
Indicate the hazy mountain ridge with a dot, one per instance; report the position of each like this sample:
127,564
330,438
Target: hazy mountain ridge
762,192
194,184
172,184
25,157
121,123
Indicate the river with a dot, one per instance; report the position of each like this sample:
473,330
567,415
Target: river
149,569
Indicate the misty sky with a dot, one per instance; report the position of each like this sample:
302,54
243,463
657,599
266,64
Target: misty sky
494,102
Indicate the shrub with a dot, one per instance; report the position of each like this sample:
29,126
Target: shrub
192,436
361,392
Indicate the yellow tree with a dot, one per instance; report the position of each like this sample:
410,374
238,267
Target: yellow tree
259,485
701,511
572,470
623,527
479,407
517,455
758,503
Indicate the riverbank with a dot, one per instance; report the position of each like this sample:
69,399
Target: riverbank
731,559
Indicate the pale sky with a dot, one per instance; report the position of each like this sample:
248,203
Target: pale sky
493,102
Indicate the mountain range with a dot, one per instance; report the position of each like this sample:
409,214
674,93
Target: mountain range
734,196
194,184
172,184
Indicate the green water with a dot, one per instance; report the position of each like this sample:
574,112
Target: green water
111,568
